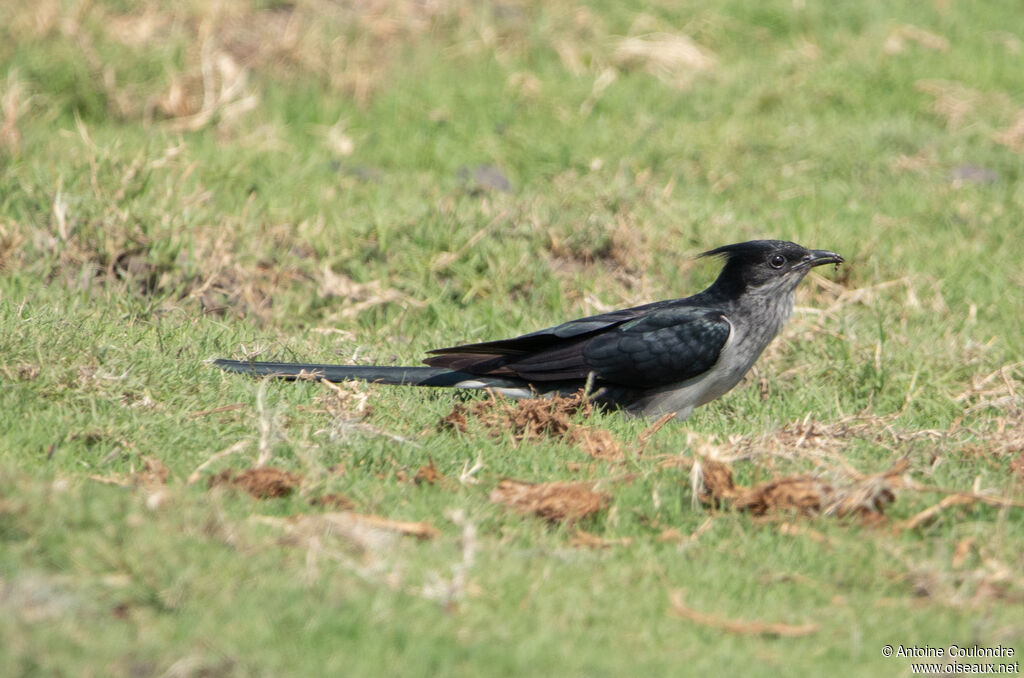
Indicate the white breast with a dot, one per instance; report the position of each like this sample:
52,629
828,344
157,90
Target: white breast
744,346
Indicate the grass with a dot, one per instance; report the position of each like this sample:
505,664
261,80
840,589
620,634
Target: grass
362,182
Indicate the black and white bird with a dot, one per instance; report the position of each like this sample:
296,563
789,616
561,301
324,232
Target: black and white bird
666,356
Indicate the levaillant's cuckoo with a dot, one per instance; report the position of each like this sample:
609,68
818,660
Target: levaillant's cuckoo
667,356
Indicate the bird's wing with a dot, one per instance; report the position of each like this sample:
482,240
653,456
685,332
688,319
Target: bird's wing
529,343
642,347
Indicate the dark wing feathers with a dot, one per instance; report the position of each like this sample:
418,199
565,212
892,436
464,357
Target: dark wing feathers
541,339
645,346
665,347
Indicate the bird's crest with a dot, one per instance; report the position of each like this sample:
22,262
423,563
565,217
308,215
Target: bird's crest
749,248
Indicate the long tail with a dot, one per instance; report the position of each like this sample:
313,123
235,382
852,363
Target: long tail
379,374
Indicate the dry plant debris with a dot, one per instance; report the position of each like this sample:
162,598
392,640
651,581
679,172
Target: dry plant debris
674,59
345,402
555,502
333,500
996,390
360,296
14,102
929,514
1017,465
151,473
839,490
897,41
216,410
740,626
582,539
420,530
348,405
1013,136
428,474
814,439
533,418
953,101
526,418
264,482
850,495
347,522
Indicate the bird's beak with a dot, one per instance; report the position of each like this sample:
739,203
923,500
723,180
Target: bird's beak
821,257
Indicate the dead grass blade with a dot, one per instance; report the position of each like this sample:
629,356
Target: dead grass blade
739,626
555,502
648,433
345,523
582,539
930,513
420,530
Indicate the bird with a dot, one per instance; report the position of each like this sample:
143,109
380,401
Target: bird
664,357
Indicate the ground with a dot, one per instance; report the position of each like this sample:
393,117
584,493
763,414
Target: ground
363,181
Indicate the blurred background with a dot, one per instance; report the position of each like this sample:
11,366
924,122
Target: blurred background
352,163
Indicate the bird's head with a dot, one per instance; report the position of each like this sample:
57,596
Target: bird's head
767,266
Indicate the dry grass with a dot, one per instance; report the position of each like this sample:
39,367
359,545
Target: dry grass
1012,136
546,417
900,38
151,474
533,418
674,59
262,483
862,497
555,502
739,626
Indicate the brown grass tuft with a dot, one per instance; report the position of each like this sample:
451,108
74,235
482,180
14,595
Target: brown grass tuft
863,496
952,101
555,502
1013,136
535,418
262,483
428,474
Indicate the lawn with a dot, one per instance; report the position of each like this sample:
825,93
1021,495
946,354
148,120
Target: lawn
361,182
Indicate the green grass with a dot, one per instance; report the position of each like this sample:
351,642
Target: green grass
338,218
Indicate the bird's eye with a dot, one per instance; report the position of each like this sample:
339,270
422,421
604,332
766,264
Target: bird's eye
778,261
